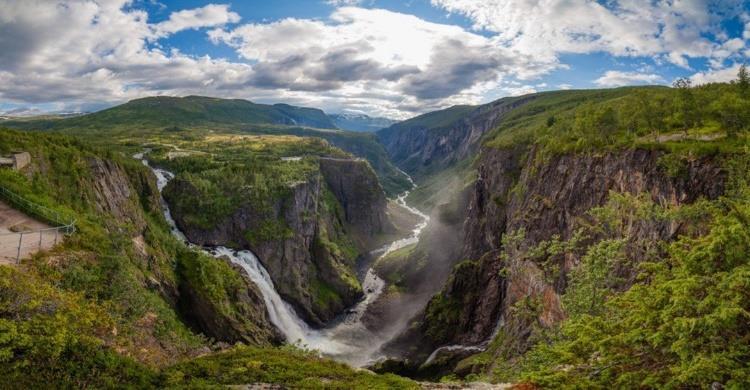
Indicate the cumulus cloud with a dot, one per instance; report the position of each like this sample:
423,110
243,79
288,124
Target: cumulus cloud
616,78
672,30
716,75
85,52
404,62
210,15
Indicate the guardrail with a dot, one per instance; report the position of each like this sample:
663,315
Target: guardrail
14,244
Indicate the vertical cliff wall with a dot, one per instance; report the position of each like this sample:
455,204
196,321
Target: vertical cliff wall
543,196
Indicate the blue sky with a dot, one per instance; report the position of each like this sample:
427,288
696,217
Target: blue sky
380,57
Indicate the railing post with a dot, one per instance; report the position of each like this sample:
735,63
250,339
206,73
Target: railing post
40,239
20,242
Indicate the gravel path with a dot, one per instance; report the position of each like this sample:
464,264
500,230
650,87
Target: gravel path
12,222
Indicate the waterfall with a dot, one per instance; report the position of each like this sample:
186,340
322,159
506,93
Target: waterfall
470,348
347,339
481,347
279,312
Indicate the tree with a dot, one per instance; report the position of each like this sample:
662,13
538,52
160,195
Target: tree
606,121
733,113
743,81
687,107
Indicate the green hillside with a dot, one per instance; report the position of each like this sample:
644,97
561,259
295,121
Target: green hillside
196,116
433,120
585,120
189,111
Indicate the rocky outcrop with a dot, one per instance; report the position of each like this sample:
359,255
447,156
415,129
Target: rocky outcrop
359,193
425,145
308,237
544,196
125,192
113,192
241,317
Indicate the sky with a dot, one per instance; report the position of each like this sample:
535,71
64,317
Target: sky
379,57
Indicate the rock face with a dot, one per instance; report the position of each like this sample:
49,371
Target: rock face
518,189
246,322
125,193
425,144
308,238
114,194
359,193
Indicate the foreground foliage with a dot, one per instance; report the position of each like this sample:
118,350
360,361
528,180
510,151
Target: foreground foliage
684,323
283,366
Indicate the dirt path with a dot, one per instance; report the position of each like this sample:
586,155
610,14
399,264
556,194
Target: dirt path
12,222
672,137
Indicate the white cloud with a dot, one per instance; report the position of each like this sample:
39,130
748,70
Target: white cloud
210,15
398,61
670,29
716,75
371,60
615,78
86,51
382,62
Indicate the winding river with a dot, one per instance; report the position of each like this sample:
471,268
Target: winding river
346,338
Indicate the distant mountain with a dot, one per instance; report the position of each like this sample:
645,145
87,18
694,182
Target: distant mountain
360,122
35,113
167,111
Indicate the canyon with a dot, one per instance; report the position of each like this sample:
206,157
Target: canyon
501,225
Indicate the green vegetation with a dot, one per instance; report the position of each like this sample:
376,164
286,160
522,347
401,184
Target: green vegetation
216,175
393,266
96,311
194,117
285,366
52,337
444,312
642,313
219,176
441,119
270,229
363,145
684,324
588,120
103,264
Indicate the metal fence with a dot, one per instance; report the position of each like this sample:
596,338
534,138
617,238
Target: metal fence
15,245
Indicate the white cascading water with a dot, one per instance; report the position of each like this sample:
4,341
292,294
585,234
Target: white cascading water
469,348
347,339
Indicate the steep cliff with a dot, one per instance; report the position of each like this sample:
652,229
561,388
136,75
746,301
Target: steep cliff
435,141
308,235
360,195
522,199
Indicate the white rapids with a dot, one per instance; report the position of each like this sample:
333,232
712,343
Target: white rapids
346,339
